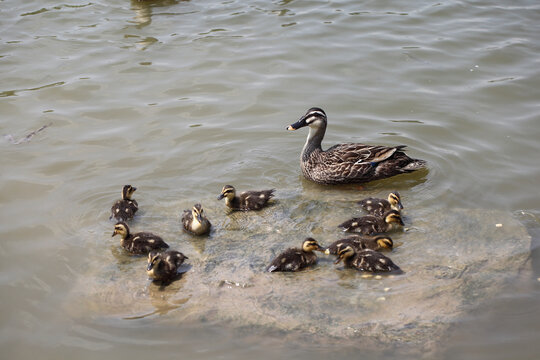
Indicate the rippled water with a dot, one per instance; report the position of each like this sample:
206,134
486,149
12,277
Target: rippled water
181,97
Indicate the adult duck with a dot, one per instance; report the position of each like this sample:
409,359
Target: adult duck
350,162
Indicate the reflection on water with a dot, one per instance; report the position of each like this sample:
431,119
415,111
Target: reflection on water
144,9
182,97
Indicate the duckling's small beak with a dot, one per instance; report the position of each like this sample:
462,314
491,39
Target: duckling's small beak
114,233
399,205
401,222
199,218
149,267
297,125
338,260
134,188
221,196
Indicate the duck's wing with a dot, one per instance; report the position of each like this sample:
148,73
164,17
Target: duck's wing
289,260
187,218
375,206
361,154
255,200
373,261
359,162
175,258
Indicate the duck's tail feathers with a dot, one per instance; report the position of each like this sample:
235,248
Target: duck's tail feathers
415,164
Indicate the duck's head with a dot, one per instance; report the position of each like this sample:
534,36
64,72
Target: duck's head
121,229
310,245
384,242
198,212
228,191
393,217
127,192
314,118
154,258
395,200
345,253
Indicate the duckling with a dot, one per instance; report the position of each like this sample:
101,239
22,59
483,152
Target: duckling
125,209
348,163
248,200
371,224
195,221
379,207
361,242
366,260
139,243
163,266
294,259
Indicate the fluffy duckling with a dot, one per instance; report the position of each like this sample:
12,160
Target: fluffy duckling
379,207
294,259
361,242
366,260
163,266
248,200
139,243
125,208
195,221
371,224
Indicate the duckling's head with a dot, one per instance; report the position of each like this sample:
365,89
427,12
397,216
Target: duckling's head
154,258
345,253
314,118
198,212
121,229
228,191
395,200
127,192
384,242
393,217
310,245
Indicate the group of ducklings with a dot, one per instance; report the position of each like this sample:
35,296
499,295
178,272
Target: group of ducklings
361,252
163,264
357,251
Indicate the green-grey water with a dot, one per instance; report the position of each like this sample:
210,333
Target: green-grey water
179,98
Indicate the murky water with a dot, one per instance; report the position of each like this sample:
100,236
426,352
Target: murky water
181,97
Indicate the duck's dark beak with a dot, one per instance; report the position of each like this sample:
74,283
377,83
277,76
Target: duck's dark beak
321,249
338,260
297,125
401,222
199,218
114,233
399,205
221,196
150,266
134,189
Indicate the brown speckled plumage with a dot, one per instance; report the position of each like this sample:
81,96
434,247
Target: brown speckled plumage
350,162
294,259
367,260
195,221
379,207
139,243
371,224
163,266
125,208
361,242
247,200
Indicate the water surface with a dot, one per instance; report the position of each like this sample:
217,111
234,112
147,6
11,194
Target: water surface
179,98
